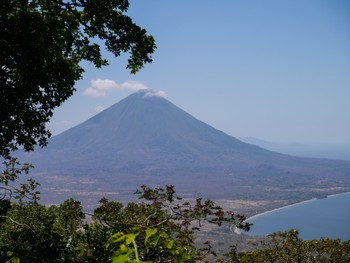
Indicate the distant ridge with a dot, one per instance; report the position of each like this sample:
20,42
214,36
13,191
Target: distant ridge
146,139
336,151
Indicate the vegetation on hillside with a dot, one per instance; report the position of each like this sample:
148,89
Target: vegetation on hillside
159,228
289,247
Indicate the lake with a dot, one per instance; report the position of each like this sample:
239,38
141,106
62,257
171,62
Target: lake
328,217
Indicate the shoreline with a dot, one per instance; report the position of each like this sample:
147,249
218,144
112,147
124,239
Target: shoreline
334,195
303,218
280,208
234,229
291,205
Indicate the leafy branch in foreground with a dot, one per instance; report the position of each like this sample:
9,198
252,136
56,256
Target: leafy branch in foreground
159,228
42,45
11,187
165,230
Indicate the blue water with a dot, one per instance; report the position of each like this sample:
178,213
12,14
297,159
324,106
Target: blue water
328,217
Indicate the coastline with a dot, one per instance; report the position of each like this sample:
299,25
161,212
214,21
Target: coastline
340,230
280,208
251,219
291,205
334,195
234,229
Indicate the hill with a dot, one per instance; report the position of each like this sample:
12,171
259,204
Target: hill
145,139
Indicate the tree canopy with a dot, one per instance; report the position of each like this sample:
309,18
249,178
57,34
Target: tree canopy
160,227
42,43
287,246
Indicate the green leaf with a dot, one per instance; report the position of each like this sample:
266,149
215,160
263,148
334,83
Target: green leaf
117,237
150,232
122,258
129,238
169,243
13,260
163,234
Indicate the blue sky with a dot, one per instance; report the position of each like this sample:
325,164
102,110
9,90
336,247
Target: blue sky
274,70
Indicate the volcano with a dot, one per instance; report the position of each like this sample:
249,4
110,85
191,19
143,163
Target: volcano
145,139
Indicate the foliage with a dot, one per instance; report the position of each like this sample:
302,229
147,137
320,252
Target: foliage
289,247
11,187
162,228
159,228
13,260
35,233
153,240
42,43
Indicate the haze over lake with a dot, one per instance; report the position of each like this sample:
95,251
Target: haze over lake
328,217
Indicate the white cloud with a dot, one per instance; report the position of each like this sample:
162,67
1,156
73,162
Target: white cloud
94,92
99,108
133,85
100,87
152,93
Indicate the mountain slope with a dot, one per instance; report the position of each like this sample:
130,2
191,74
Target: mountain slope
147,139
142,130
